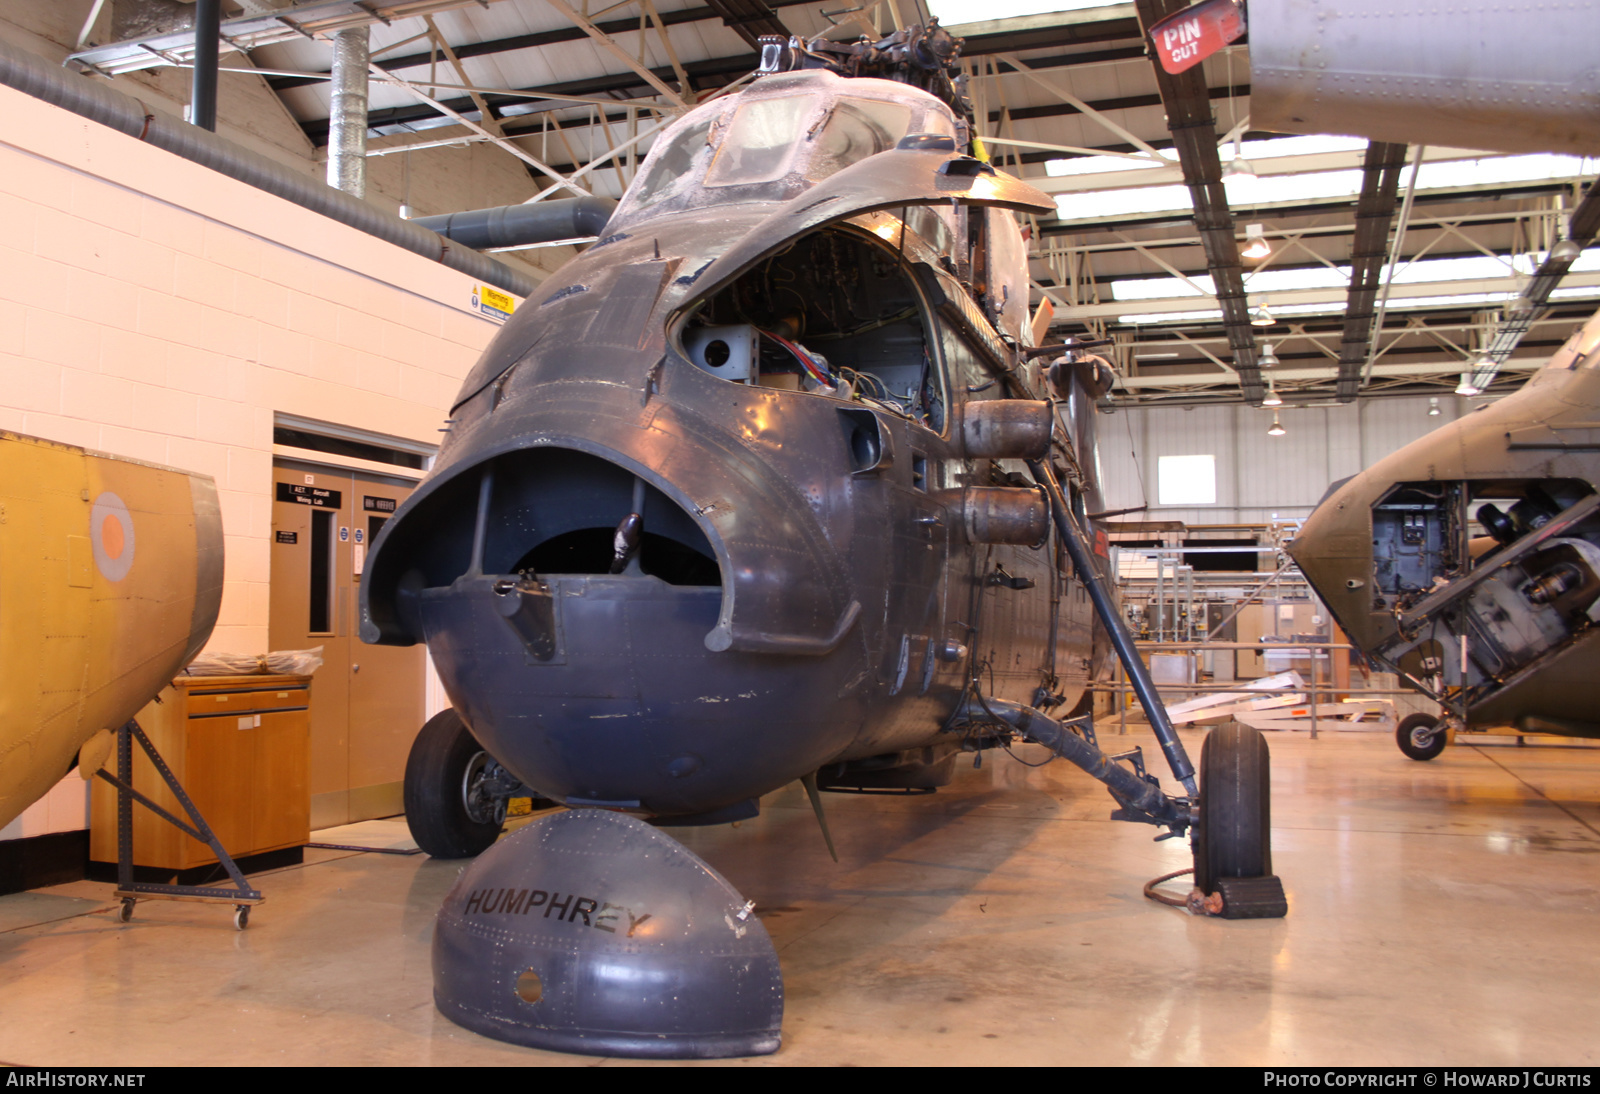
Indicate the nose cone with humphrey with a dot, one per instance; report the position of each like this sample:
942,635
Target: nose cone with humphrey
591,932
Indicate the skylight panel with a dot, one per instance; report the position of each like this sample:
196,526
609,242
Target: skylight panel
1095,165
1244,190
1276,147
955,12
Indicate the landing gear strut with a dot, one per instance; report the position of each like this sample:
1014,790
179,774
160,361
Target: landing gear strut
1230,807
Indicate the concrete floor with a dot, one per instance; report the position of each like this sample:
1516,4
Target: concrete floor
1440,913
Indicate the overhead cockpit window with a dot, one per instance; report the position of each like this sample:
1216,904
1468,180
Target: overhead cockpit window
856,129
759,142
674,164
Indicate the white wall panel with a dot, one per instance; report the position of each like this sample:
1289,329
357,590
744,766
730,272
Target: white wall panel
1258,477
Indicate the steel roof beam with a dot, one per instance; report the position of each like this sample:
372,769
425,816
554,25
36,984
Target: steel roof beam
1380,183
749,19
467,50
1194,134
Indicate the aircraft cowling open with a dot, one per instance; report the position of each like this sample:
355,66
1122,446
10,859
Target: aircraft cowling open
704,695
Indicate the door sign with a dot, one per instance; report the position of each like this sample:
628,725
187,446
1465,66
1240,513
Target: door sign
310,495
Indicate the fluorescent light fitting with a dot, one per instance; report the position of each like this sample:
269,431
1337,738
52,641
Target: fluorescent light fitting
1277,429
1150,355
1255,242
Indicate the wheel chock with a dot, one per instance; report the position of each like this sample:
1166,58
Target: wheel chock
1252,897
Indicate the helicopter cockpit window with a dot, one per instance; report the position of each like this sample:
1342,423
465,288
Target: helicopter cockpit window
674,164
854,130
759,141
834,314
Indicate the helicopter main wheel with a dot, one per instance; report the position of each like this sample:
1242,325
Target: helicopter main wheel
447,810
1232,836
1420,736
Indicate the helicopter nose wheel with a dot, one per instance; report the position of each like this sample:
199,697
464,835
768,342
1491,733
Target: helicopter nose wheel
1233,828
1420,736
447,810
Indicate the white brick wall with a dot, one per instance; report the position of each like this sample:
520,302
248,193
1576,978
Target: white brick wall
152,308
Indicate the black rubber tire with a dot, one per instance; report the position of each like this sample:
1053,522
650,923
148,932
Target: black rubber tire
1411,728
436,810
1233,836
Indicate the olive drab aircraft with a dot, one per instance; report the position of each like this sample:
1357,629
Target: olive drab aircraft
110,582
770,483
1469,561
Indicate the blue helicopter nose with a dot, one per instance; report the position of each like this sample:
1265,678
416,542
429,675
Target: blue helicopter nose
574,643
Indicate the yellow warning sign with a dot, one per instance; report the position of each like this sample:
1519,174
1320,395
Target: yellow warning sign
493,303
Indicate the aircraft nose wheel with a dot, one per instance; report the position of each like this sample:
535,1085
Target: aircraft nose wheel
446,808
1420,736
1233,829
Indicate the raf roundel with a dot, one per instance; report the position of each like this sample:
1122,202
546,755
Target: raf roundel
111,532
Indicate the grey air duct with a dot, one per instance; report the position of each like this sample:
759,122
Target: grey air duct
521,225
88,99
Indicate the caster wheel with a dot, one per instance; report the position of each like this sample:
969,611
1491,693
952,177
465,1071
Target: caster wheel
1420,736
125,913
241,917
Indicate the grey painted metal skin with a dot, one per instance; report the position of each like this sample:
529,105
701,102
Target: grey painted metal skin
1390,552
1511,76
844,572
624,943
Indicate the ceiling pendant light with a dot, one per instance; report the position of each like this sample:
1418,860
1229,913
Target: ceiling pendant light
1255,242
1433,408
1261,317
1565,251
1466,386
1277,429
1272,398
1268,359
1238,167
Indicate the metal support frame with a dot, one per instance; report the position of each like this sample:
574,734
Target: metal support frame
127,888
1581,229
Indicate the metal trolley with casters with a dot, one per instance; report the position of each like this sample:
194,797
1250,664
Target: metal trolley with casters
128,891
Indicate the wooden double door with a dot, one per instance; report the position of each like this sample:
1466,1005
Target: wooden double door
366,701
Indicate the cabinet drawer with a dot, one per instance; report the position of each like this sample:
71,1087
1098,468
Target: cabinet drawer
202,704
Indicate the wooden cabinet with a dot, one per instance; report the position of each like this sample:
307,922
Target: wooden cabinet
241,748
